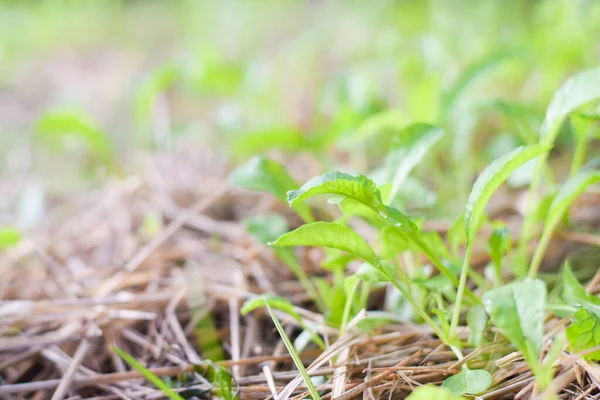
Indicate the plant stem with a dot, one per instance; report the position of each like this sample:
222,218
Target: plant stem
539,253
460,292
414,303
347,308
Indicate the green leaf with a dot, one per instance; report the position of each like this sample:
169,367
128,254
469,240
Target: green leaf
263,174
584,333
498,244
294,354
154,85
575,294
357,187
62,124
469,76
368,273
277,302
408,149
332,235
579,90
477,321
430,392
489,180
393,242
355,208
383,121
468,381
149,375
456,233
266,227
559,206
517,310
9,237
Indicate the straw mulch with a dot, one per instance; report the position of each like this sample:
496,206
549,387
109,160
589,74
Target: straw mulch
95,276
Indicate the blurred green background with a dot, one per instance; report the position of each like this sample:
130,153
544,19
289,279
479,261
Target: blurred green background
90,88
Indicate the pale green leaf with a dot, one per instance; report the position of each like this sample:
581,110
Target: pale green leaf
60,125
468,78
430,392
517,310
266,227
468,381
559,206
332,235
476,320
152,88
277,302
9,237
579,90
408,149
368,273
489,180
263,174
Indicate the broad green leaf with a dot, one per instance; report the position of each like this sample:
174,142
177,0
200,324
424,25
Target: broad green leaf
489,180
476,320
277,302
266,227
584,333
408,149
468,381
579,90
559,206
269,176
294,354
357,187
328,234
263,174
148,375
9,237
517,310
575,294
60,125
430,392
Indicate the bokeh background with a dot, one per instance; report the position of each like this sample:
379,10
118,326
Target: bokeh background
93,91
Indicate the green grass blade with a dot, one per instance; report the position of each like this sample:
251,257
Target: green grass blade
295,357
149,375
